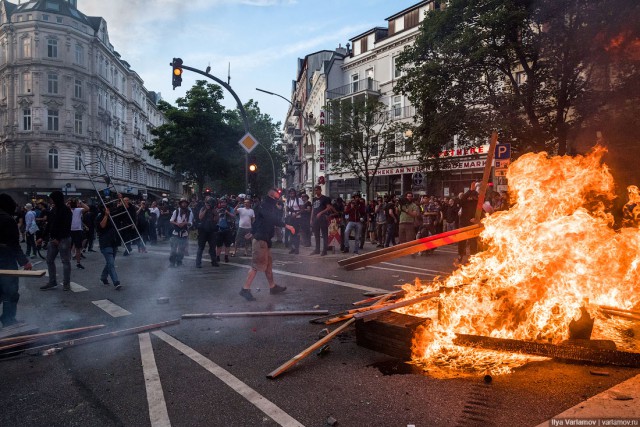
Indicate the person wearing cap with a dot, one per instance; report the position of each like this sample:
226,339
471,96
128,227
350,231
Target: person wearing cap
31,228
181,220
207,231
10,256
268,216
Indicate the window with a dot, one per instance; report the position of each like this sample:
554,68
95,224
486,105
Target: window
26,47
45,17
52,83
26,83
354,83
79,55
78,124
396,106
397,72
52,48
77,165
52,120
26,119
53,158
373,150
27,158
77,92
59,19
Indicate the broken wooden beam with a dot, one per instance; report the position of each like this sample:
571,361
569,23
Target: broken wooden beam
373,313
298,357
561,351
255,314
48,334
17,330
23,273
408,248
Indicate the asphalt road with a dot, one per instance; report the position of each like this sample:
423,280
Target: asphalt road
212,372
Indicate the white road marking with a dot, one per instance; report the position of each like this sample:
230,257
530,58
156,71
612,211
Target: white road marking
111,308
155,397
259,401
77,288
304,276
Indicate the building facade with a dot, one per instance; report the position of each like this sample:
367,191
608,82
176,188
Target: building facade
367,70
67,99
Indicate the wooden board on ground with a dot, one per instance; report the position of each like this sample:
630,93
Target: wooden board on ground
390,333
23,273
17,329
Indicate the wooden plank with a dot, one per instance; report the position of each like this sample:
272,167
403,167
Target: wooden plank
562,351
23,273
255,314
620,314
17,329
298,357
373,313
392,249
485,176
391,333
417,247
49,334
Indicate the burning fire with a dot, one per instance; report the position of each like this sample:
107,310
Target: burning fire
553,252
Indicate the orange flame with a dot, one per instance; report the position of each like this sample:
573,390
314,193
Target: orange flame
551,253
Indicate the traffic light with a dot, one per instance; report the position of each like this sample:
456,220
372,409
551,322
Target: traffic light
252,165
177,72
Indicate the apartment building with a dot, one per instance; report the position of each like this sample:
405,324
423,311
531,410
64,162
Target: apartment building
366,69
67,98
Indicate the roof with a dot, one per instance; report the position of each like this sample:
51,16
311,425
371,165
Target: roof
58,7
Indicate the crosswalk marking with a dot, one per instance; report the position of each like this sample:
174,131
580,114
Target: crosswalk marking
77,288
158,414
111,308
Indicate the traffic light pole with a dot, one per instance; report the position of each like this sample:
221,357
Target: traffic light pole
243,113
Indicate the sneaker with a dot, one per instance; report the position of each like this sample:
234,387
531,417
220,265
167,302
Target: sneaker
246,294
226,258
277,289
80,266
105,282
323,253
315,253
48,286
292,251
215,264
118,286
66,287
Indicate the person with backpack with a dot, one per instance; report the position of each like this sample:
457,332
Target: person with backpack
181,220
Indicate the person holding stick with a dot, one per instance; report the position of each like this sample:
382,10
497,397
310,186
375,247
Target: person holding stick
268,216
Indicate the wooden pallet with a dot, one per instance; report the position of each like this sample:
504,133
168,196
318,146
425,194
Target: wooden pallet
390,333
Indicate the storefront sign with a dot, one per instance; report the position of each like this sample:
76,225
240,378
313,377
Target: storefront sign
321,158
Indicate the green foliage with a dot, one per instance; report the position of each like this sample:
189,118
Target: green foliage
530,69
360,137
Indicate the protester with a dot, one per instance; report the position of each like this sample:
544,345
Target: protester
321,208
226,225
154,214
31,228
468,204
207,230
246,216
408,212
181,219
355,214
391,218
10,256
294,218
58,234
268,216
108,240
78,209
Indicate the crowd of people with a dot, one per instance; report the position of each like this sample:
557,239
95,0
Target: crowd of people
230,225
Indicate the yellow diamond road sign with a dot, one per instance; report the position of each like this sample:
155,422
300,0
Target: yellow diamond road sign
248,142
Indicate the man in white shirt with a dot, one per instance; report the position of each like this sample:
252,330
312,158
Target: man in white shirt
246,216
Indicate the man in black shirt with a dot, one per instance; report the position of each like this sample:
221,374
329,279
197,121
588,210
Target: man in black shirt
59,236
268,216
321,208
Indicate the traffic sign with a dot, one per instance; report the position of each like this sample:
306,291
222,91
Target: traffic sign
417,178
503,151
500,172
248,142
502,164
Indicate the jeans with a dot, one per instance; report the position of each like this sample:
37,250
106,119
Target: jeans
31,243
9,296
178,245
63,246
358,234
391,235
109,269
205,237
321,227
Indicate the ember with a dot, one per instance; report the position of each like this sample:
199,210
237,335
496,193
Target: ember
551,254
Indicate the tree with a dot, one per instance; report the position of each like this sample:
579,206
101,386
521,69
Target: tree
197,139
266,132
527,68
359,137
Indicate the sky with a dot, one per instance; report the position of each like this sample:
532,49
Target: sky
260,40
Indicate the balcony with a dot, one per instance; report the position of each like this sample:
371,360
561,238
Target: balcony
297,135
361,87
400,113
309,151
